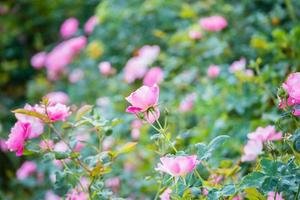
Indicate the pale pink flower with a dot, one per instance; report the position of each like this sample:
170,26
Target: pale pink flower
265,134
113,183
77,195
238,65
46,144
216,179
142,100
205,192
187,103
195,35
90,24
3,146
135,131
292,86
213,23
177,166
249,73
69,27
252,149
61,147
76,75
27,169
57,97
76,44
38,60
50,195
271,196
154,76
17,137
58,112
213,71
237,197
106,69
135,68
149,53
36,125
166,194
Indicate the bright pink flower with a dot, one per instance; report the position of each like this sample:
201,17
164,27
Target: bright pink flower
166,194
76,195
187,103
46,144
195,35
17,137
142,100
271,196
76,75
106,69
177,166
113,183
149,53
238,65
213,71
38,60
57,97
237,197
265,134
69,27
50,195
135,68
154,76
252,149
76,44
90,24
28,168
213,23
58,112
36,125
292,86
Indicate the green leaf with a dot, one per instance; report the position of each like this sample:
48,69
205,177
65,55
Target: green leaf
83,111
253,194
61,155
254,179
43,117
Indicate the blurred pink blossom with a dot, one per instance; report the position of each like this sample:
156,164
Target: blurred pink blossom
58,112
3,146
90,24
135,128
46,144
149,53
213,71
154,76
106,69
271,196
166,194
135,68
27,168
213,23
76,75
177,166
195,35
113,183
69,27
50,195
76,195
238,65
187,103
57,97
292,86
38,60
265,134
252,149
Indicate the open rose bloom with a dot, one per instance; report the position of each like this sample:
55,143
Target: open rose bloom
145,100
213,23
178,166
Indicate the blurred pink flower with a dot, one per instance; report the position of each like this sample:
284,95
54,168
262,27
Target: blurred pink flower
76,75
76,44
142,100
238,65
106,69
17,137
46,144
3,146
135,128
27,168
107,143
76,195
58,112
205,191
195,35
69,27
166,194
154,76
271,196
252,149
292,87
57,97
249,73
237,197
177,166
38,60
90,25
265,134
50,195
149,53
213,23
113,183
213,71
187,103
135,68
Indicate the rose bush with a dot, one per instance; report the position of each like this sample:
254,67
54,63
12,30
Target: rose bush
164,100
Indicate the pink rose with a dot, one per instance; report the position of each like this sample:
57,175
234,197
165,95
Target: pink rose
154,76
69,27
17,137
50,195
271,196
187,103
76,75
149,53
142,100
292,86
195,35
238,65
213,23
58,112
177,166
134,69
57,97
28,168
265,134
90,24
166,194
106,69
213,71
38,60
252,149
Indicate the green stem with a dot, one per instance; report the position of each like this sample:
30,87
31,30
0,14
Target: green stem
290,10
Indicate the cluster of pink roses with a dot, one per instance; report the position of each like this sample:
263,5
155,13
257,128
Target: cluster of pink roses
28,127
256,140
292,87
63,54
